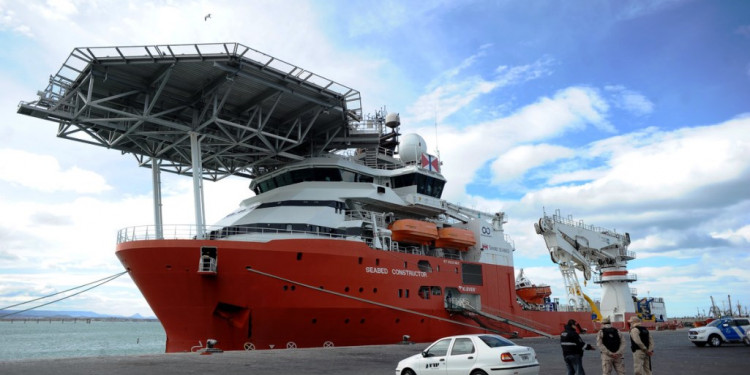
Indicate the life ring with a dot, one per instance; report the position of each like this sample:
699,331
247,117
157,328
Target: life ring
328,344
249,346
291,345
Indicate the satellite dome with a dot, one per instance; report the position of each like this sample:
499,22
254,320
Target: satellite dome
411,148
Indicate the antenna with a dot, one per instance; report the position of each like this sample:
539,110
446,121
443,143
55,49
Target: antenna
437,149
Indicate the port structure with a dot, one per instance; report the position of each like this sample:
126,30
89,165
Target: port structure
204,110
574,245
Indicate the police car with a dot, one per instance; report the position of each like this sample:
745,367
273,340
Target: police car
479,354
720,331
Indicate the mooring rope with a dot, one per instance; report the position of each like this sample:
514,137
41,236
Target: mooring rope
367,300
97,282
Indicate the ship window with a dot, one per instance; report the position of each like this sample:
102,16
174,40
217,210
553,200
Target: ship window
359,260
377,261
471,274
365,178
424,266
436,291
400,293
424,292
299,256
347,176
407,292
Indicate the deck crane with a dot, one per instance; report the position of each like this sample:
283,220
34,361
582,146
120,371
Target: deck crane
576,246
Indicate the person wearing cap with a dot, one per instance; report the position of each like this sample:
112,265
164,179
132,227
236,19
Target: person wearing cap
610,341
642,346
572,348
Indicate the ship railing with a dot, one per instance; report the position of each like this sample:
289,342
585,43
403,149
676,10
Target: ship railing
557,217
191,232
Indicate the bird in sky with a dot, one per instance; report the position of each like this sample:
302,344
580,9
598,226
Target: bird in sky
207,17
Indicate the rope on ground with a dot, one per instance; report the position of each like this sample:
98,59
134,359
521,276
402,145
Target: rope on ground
97,282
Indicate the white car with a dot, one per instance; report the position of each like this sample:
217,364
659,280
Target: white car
724,330
480,354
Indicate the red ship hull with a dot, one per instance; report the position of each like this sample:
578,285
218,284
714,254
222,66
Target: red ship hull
316,292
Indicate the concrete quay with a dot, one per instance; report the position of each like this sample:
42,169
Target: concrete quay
674,354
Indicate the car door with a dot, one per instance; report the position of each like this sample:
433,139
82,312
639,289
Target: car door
433,358
462,356
727,328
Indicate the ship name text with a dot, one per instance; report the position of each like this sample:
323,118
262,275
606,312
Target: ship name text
393,271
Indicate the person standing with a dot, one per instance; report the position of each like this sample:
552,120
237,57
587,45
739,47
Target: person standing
609,340
572,348
642,346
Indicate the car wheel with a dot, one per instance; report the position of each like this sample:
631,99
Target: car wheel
478,372
408,371
715,341
700,344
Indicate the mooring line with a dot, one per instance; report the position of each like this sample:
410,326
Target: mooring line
369,301
100,282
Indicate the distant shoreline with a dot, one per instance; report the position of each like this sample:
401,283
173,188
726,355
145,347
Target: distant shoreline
63,319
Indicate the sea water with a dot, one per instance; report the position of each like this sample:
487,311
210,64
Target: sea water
36,339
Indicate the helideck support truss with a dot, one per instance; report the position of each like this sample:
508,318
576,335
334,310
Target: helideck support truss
250,112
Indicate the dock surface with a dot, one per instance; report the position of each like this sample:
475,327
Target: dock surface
674,354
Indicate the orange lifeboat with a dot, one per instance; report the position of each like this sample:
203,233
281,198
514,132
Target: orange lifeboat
455,238
531,293
413,231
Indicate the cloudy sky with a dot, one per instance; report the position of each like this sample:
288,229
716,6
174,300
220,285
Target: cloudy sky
630,115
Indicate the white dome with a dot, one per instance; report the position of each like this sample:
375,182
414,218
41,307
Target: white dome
411,148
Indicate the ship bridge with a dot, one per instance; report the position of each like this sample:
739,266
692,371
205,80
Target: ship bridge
205,110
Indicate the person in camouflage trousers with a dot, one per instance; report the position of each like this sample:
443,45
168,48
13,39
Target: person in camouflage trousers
642,346
612,345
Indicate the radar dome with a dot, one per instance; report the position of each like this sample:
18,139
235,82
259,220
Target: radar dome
392,120
411,148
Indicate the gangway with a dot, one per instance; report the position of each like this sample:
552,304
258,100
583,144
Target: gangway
463,306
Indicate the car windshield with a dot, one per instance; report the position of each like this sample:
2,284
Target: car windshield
495,341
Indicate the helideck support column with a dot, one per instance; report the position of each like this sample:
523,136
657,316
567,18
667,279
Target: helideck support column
156,178
195,150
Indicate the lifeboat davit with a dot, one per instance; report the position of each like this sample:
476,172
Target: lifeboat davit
455,238
413,231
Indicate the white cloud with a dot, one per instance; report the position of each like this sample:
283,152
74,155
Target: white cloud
43,173
452,92
666,167
739,236
630,100
515,162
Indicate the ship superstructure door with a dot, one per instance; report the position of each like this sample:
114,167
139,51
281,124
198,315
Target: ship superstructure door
208,261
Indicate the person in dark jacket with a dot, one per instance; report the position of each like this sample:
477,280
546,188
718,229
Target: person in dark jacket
572,348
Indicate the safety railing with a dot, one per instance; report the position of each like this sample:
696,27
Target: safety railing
191,232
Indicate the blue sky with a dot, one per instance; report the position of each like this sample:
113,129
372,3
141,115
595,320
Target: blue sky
631,115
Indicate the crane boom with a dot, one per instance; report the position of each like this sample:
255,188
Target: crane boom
574,245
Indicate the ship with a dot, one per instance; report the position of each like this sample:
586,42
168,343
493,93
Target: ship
344,237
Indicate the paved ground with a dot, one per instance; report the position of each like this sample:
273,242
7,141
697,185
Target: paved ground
674,354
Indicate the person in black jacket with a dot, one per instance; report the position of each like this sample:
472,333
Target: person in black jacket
572,348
